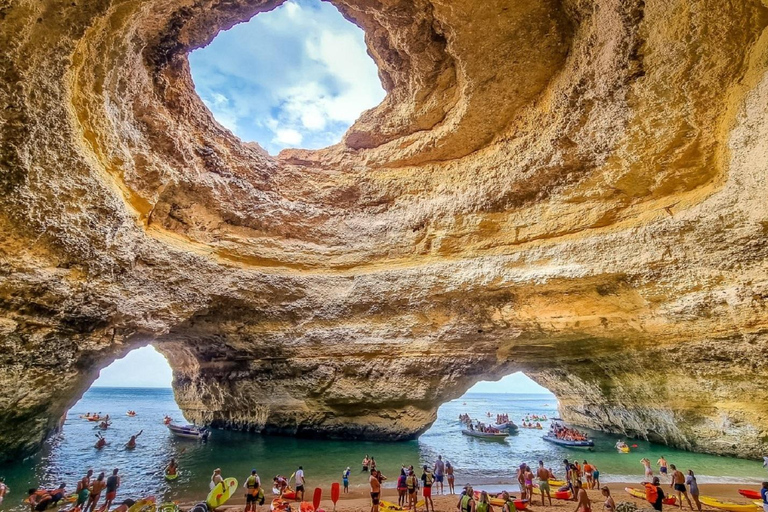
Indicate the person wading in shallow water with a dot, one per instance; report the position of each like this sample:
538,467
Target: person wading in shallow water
439,472
450,477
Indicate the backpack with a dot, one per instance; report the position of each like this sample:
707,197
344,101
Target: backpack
651,493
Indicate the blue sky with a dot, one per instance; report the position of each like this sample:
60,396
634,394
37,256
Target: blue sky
297,76
146,367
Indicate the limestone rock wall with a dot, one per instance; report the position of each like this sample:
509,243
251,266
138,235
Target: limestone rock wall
571,188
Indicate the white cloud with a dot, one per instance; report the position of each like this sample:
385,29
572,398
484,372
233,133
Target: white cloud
299,74
287,137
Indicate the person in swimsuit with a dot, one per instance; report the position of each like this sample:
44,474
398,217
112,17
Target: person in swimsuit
467,500
609,505
678,484
82,490
693,487
588,474
450,477
662,463
38,500
113,482
95,493
528,481
543,475
582,499
521,480
345,479
375,491
595,477
366,463
763,494
439,471
647,465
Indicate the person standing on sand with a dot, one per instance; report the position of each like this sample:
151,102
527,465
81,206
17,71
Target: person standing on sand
588,469
521,480
299,479
582,499
467,500
450,477
412,483
113,482
427,478
543,475
402,488
252,491
693,487
82,489
345,479
439,472
95,493
375,490
678,484
528,480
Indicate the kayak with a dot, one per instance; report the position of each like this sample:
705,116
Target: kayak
494,500
498,436
556,483
571,444
559,495
168,506
749,493
146,504
727,505
623,449
637,493
172,477
280,505
221,493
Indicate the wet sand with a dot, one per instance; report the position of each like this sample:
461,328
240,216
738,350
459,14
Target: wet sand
359,501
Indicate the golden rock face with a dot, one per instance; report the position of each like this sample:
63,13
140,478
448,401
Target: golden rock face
575,189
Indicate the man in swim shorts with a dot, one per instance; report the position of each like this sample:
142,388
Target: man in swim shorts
678,484
543,475
113,482
375,490
299,476
439,472
662,462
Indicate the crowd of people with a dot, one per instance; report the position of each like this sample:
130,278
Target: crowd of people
502,418
566,433
482,427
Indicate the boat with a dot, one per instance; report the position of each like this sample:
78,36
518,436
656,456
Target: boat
510,426
727,505
500,436
749,493
639,493
189,431
588,443
93,418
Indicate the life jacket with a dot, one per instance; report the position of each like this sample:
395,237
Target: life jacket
410,482
252,484
651,493
481,507
428,478
510,505
465,507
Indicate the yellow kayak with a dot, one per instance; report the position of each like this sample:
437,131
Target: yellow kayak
727,505
556,483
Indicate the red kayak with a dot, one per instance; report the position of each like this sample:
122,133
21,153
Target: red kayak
749,493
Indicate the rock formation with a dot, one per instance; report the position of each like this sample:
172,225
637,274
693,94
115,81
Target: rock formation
572,188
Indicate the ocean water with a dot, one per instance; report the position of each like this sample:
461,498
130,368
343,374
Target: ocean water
480,462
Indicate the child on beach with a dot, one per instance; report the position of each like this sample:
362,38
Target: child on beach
345,479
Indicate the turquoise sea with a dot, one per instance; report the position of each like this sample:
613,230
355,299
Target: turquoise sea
480,462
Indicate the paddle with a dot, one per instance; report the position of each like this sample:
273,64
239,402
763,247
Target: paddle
317,497
334,494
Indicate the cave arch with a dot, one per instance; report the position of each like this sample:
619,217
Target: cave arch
577,195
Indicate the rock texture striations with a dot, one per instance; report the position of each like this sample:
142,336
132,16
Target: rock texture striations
572,188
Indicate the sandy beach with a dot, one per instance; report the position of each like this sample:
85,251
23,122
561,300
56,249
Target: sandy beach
359,501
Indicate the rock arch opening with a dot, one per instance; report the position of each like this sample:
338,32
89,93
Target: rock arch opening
296,76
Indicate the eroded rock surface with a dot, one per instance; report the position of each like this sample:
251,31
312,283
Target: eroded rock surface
575,189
